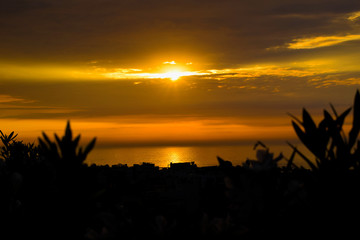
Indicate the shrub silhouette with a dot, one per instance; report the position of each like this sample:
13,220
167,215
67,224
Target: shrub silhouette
16,154
46,189
333,151
64,151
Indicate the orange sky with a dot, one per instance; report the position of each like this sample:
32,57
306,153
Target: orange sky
182,72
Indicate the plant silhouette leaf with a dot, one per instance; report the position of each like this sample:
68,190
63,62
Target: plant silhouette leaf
340,119
10,136
296,119
46,138
76,141
58,140
334,110
68,132
354,132
328,118
312,166
299,132
42,143
89,147
291,161
308,122
259,143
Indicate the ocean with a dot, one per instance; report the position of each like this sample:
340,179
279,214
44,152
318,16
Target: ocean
162,156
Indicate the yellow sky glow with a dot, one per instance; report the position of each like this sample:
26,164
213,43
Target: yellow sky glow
173,71
191,130
129,74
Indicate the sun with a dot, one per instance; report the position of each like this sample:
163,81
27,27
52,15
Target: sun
173,75
174,71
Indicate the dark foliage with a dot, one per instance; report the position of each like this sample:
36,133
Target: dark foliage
48,192
333,151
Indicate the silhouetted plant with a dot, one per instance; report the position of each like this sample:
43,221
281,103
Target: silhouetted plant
72,188
65,150
327,141
6,140
15,153
264,159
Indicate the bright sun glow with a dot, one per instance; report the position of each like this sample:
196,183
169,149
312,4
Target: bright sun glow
168,70
174,75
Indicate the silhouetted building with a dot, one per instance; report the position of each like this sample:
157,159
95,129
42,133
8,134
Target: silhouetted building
182,165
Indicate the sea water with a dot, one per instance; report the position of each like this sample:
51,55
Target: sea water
162,156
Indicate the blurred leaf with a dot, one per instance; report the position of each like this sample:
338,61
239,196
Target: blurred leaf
328,118
278,158
4,141
58,140
339,133
322,125
68,132
80,152
312,166
290,161
296,119
308,123
89,147
259,143
10,136
46,138
42,143
76,141
354,132
340,120
334,110
299,133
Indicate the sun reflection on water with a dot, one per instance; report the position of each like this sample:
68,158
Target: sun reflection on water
174,157
162,156
176,154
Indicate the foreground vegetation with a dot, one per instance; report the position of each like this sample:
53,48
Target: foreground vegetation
47,191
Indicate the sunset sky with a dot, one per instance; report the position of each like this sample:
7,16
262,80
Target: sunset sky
136,72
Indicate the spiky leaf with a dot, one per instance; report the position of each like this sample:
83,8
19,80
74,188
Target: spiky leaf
300,133
68,132
295,118
308,122
290,161
341,119
354,132
47,139
76,141
89,147
312,166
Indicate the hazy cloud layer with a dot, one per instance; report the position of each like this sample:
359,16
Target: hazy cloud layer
130,32
237,98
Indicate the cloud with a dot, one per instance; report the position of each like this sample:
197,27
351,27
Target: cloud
26,108
171,62
44,71
354,16
119,33
321,41
9,99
